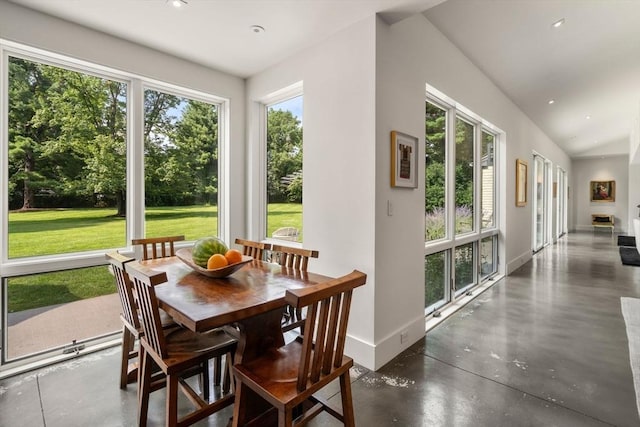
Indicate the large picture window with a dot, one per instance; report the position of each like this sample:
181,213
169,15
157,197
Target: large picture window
181,165
284,169
461,231
77,140
66,160
435,176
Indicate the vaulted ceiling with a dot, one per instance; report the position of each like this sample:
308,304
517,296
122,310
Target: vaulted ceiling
589,66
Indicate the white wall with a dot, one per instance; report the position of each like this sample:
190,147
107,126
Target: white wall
614,168
339,161
410,54
41,31
359,85
634,194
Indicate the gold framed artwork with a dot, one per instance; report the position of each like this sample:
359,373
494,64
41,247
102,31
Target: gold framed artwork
603,191
404,160
521,182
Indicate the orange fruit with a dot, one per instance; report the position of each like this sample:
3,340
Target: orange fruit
217,261
233,256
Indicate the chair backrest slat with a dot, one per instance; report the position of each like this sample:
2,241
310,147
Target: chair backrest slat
325,329
296,258
307,347
144,280
342,328
254,249
157,247
320,344
331,334
125,290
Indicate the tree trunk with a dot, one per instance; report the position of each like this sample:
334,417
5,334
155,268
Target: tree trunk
121,203
28,199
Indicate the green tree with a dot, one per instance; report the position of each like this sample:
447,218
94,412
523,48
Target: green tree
284,155
464,163
28,134
196,142
435,150
91,113
163,174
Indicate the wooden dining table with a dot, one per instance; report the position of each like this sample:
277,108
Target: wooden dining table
251,299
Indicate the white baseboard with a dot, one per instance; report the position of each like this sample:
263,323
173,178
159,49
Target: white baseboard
375,356
517,262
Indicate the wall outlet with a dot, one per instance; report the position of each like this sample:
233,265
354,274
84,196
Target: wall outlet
404,336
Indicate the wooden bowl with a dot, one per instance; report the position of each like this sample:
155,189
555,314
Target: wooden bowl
185,256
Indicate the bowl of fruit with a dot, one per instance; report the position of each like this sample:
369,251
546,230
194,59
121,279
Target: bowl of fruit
212,257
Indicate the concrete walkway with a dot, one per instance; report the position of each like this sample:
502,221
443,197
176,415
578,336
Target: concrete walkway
36,330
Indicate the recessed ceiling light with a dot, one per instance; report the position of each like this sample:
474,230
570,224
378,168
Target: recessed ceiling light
558,23
587,117
552,101
177,3
257,29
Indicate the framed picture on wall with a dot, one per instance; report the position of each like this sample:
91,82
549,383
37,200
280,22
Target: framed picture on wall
603,191
404,163
521,182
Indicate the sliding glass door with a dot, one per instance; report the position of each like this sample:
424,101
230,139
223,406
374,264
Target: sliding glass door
542,207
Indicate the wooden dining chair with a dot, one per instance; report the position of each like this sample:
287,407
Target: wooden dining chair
288,377
257,250
157,247
131,327
130,323
163,247
176,352
296,259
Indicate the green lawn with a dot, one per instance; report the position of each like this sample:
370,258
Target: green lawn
47,232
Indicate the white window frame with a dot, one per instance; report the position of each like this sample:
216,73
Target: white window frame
258,228
135,178
449,243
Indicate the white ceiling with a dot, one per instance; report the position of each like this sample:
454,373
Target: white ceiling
590,65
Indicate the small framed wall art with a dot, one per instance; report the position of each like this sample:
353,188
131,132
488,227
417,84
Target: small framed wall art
603,191
404,163
521,182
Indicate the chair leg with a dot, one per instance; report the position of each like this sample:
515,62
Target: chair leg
217,370
227,381
239,406
285,417
127,346
205,380
347,400
144,386
172,401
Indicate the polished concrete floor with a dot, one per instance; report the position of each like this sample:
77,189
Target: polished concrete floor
546,346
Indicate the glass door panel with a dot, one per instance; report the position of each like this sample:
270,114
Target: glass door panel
539,207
